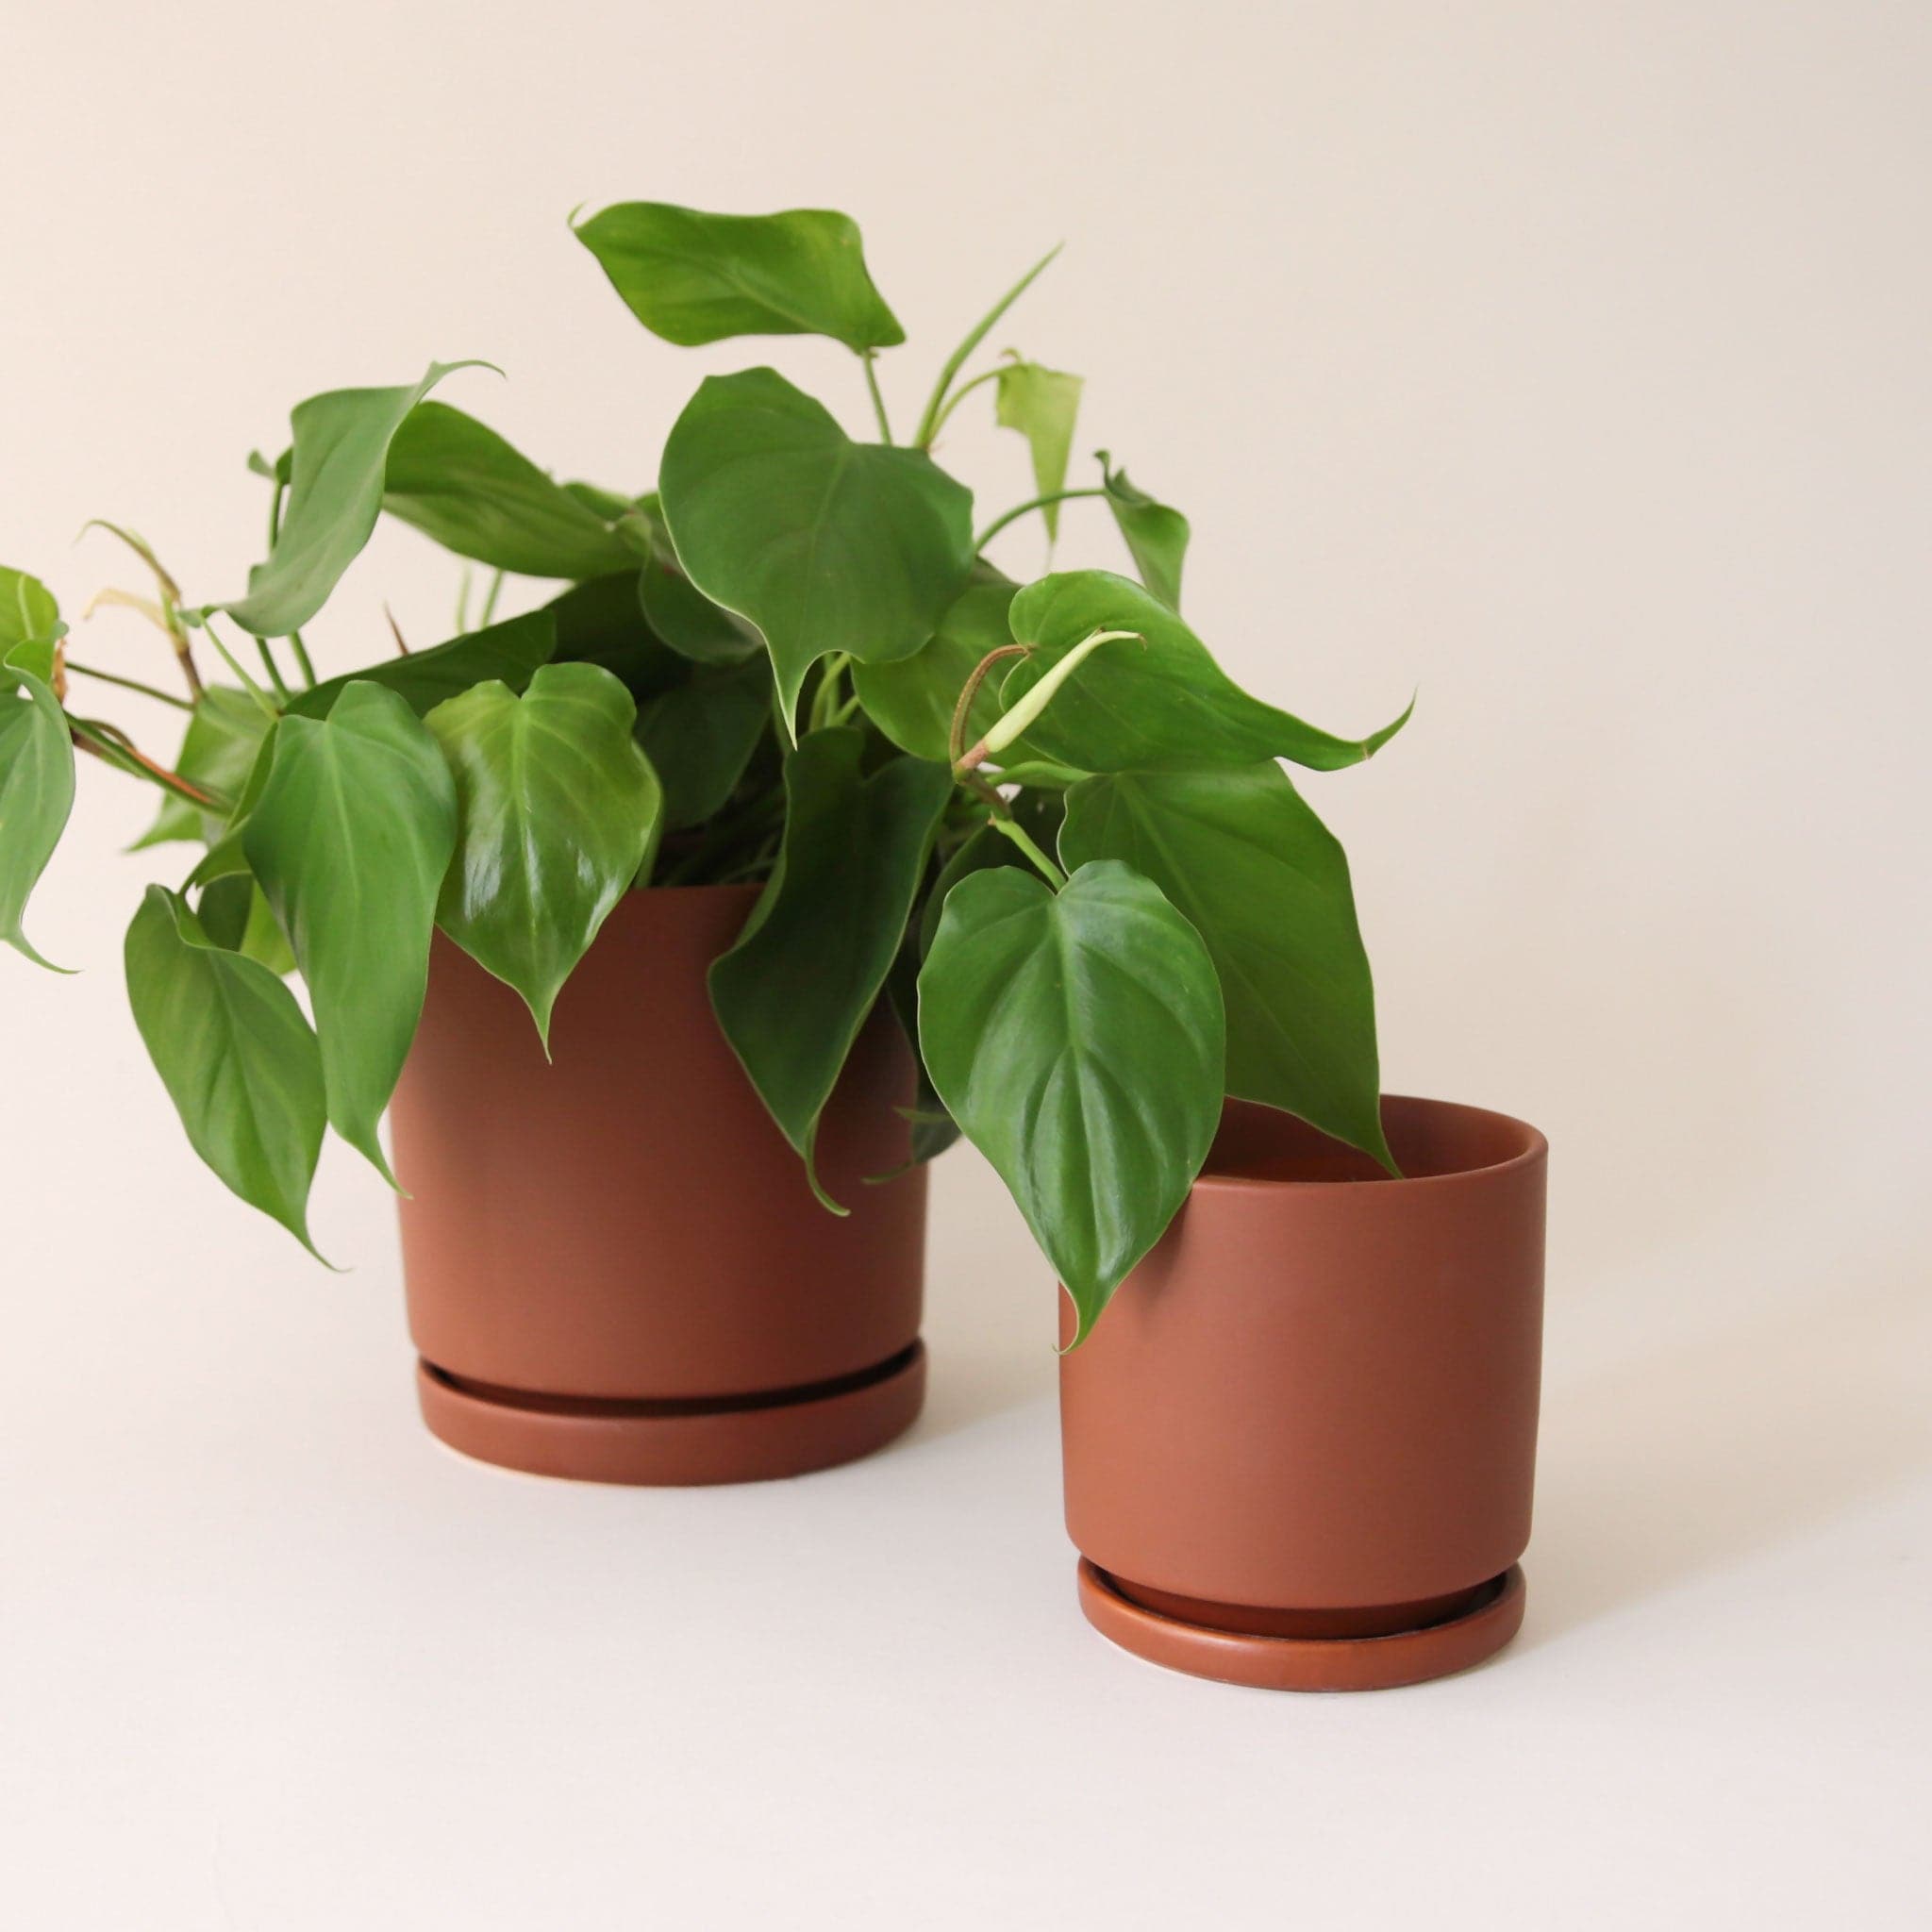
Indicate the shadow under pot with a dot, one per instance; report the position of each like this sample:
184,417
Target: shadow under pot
614,1265
1300,1442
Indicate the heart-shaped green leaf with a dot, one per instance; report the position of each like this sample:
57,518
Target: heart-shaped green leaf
692,277
912,699
1159,703
1157,536
793,993
1042,404
1077,1040
350,839
36,787
557,811
509,652
1266,885
823,544
340,452
236,1056
700,736
218,752
460,483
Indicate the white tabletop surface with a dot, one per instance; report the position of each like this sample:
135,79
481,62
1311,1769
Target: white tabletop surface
272,1659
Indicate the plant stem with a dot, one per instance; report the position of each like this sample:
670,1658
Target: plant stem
928,422
959,395
147,690
878,402
1011,828
263,702
109,741
1013,516
490,601
273,670
824,700
274,532
962,712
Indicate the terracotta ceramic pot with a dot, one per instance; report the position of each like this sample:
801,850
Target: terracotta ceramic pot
1300,1442
615,1268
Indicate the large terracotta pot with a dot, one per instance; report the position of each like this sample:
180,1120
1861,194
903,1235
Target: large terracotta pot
615,1268
1300,1442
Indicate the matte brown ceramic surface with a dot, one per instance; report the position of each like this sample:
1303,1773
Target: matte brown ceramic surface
615,1268
1308,1417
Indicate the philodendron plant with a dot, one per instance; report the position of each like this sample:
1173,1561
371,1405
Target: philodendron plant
1040,822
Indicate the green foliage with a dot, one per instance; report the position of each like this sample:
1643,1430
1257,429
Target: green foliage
36,787
508,653
602,622
1161,704
1042,404
700,736
823,544
1077,1040
217,754
787,666
912,699
557,811
459,482
236,1056
339,457
689,623
1157,536
31,627
694,277
793,993
1266,885
350,841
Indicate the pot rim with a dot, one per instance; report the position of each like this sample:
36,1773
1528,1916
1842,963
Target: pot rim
1535,1148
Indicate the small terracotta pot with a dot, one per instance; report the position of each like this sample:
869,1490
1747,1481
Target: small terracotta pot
1300,1442
615,1268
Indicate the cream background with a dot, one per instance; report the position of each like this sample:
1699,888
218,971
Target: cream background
1567,361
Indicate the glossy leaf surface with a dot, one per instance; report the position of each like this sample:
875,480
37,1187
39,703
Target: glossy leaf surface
458,482
1266,885
350,841
236,1056
1157,536
1077,1040
557,811
36,787
694,277
793,993
1160,703
823,544
1042,404
339,455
